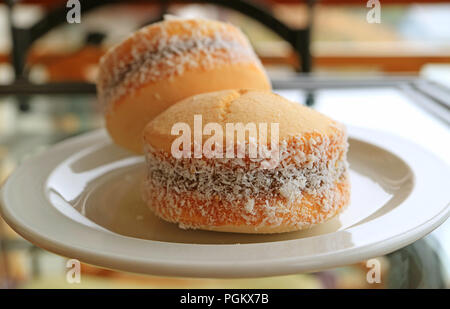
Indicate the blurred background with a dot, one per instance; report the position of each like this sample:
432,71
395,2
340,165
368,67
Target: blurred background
322,53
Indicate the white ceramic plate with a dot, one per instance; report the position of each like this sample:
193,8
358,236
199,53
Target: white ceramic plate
81,199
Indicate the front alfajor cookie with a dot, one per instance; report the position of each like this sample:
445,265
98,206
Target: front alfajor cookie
245,161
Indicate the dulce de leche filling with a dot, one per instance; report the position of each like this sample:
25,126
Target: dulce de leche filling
310,165
164,56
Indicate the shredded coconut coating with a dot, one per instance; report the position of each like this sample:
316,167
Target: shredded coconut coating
309,186
150,56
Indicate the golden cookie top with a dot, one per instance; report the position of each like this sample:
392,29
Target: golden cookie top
239,106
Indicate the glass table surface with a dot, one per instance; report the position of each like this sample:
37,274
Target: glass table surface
52,118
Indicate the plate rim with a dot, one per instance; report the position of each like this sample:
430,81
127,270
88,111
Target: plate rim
263,267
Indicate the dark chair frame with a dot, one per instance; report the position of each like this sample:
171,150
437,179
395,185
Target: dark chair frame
23,38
